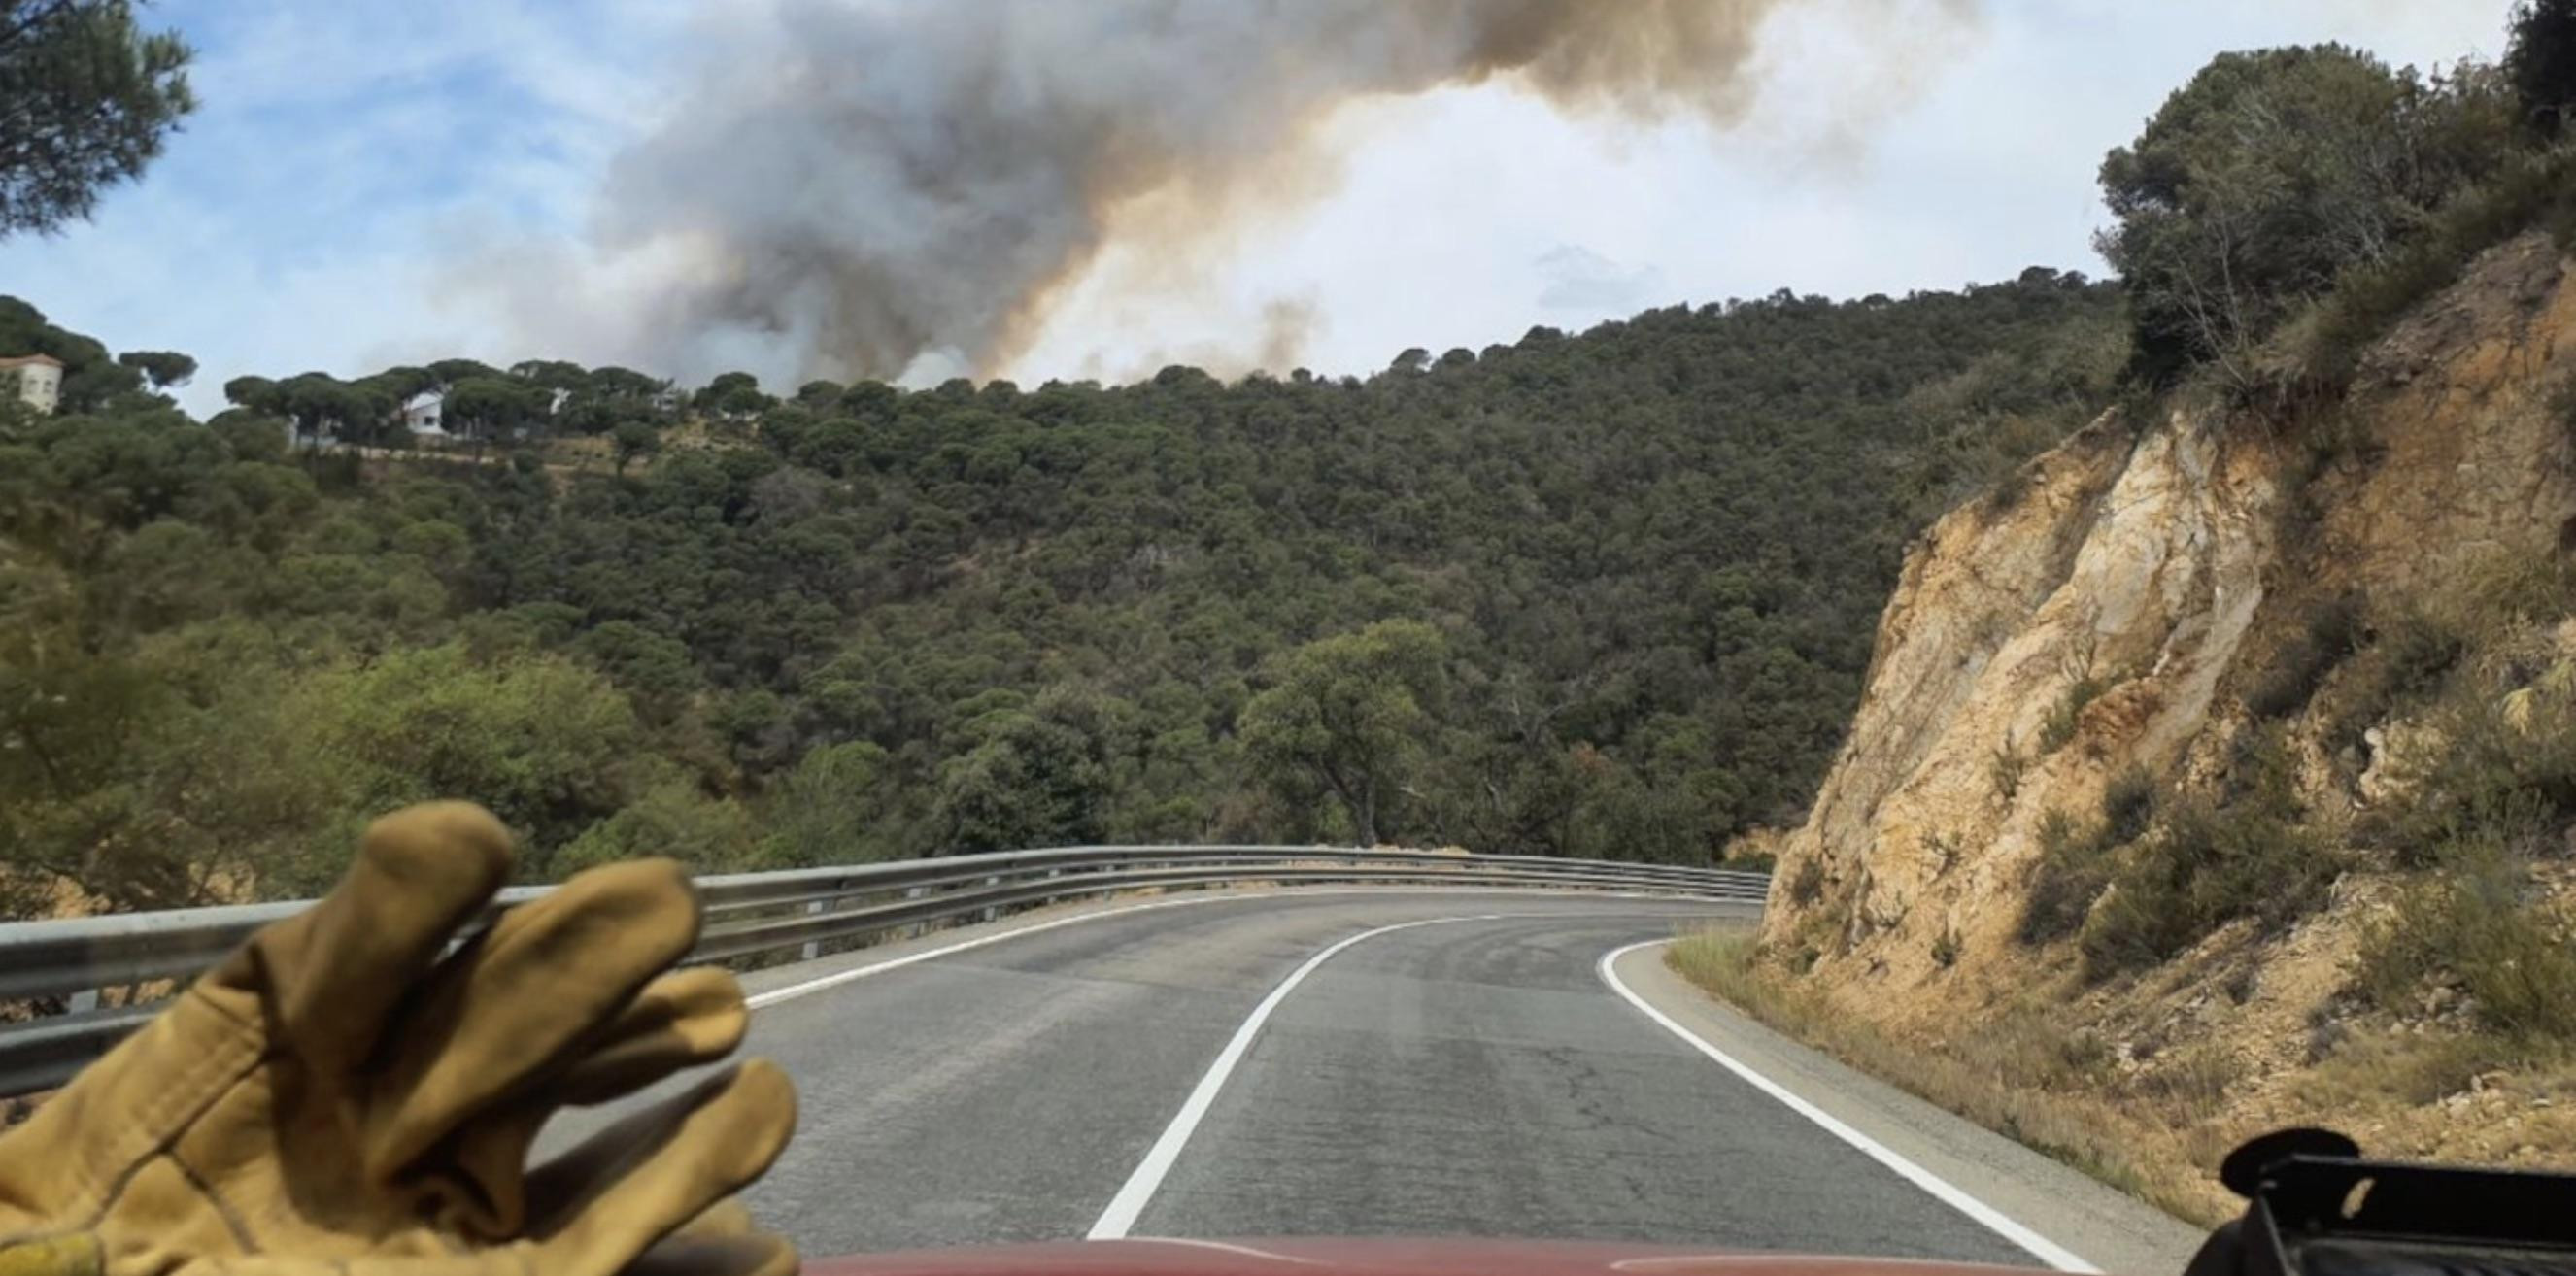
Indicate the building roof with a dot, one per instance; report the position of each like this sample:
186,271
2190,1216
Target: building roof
22,360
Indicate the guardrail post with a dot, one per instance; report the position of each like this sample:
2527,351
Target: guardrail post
813,947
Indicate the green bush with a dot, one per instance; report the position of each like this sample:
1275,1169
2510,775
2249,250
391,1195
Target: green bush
672,819
2328,635
2476,930
2495,595
2404,666
2259,856
2128,805
2073,867
2535,189
1807,885
2491,784
2005,769
2059,727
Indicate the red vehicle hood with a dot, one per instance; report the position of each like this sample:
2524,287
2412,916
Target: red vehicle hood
1314,1257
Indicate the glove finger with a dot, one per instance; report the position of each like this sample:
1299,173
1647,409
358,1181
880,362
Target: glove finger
337,970
506,1011
728,1217
723,1241
681,1020
600,1205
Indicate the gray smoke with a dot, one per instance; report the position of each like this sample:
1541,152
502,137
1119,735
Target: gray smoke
854,189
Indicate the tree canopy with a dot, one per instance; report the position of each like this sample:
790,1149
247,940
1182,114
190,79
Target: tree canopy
1348,716
1600,594
91,96
2540,60
2272,172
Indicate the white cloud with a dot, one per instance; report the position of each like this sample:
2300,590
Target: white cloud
1582,280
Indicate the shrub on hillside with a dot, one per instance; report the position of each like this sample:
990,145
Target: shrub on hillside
2073,868
2259,854
2083,687
2504,776
2477,930
2531,190
2004,769
1807,885
2409,656
2128,805
2327,635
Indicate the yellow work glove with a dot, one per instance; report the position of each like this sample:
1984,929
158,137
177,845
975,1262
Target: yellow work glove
343,1097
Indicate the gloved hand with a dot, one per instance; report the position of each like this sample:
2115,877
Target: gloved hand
336,1099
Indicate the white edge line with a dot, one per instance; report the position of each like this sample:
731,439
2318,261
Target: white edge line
2046,1250
1147,1178
839,977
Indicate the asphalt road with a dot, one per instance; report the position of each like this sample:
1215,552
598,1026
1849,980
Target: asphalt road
1476,1079
1449,1078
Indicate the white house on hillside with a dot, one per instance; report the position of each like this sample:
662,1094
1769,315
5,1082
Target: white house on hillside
39,378
424,413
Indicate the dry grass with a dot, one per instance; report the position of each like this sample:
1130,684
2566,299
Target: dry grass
2405,1068
2015,1072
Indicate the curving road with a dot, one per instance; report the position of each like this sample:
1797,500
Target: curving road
1457,1065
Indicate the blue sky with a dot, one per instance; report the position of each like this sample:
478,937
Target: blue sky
351,156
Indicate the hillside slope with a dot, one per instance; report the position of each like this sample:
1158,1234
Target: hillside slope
2219,761
1596,594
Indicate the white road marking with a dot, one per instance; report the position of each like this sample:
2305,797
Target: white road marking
839,977
1147,1178
2046,1250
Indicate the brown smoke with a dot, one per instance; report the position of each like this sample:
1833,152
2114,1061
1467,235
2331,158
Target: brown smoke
861,189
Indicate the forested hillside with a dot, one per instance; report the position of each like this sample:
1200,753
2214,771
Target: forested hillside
1606,594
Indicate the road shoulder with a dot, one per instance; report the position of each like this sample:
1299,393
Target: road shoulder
2113,1230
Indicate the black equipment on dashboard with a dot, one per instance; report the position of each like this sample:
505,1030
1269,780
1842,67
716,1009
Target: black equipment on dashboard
2315,1207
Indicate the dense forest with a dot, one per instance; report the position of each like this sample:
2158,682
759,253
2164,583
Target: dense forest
1598,594
1601,594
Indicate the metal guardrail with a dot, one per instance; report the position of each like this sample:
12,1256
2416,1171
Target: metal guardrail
753,914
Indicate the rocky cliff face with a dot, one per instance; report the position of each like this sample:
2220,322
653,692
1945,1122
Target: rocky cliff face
2136,563
2110,614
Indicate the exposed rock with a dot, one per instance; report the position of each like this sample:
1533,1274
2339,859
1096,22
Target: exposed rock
2161,562
2144,562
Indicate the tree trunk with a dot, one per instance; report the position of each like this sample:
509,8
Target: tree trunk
1364,816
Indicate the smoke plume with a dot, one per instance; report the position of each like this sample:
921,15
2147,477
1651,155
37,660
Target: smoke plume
869,189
